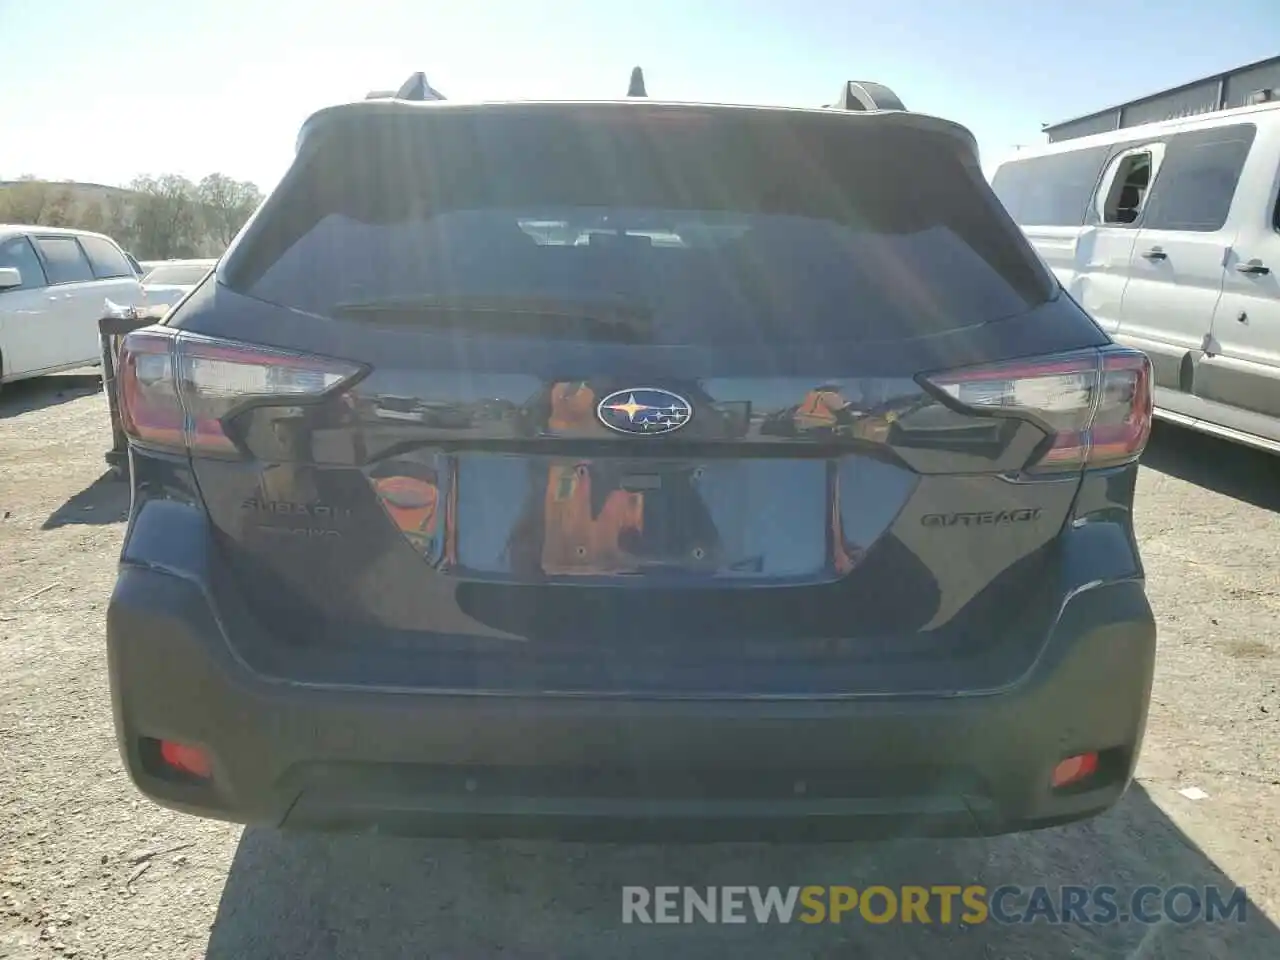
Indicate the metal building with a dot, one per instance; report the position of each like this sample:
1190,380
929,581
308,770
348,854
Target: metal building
1253,83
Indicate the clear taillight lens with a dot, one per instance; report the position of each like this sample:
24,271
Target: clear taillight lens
177,389
1096,405
1122,422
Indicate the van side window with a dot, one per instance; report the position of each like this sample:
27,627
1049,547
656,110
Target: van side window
66,261
1128,189
1198,179
19,253
1049,191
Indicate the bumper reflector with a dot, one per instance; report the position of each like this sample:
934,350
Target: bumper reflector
1074,769
186,758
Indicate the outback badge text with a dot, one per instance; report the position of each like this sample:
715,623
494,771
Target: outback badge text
985,518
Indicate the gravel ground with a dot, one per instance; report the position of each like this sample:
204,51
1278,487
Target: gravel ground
89,869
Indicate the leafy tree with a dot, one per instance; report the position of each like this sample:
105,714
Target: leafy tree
93,217
119,220
155,217
29,200
227,204
166,216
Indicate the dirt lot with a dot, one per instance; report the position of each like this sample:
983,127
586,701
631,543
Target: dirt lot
89,869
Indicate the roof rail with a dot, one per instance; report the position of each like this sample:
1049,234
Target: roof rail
636,87
415,88
865,95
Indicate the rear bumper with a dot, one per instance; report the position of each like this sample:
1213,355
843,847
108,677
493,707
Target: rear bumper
449,765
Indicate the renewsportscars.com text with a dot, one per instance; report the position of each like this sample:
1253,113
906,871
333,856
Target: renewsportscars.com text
936,904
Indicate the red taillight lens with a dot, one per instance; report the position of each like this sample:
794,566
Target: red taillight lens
176,389
148,391
1096,404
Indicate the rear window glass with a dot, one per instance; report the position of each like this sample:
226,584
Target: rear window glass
1052,191
772,227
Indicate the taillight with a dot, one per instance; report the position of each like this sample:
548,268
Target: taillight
1122,421
1096,405
177,389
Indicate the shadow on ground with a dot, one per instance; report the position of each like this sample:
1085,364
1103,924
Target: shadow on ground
310,895
1228,468
106,500
27,396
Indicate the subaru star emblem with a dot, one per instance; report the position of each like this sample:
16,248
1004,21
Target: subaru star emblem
644,410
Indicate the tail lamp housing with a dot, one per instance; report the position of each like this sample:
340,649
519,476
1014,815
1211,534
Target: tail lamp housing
1095,405
178,390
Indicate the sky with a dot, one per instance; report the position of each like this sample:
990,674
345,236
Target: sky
104,92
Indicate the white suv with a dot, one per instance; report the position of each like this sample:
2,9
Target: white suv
54,287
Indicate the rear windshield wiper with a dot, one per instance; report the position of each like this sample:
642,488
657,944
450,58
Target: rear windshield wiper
601,319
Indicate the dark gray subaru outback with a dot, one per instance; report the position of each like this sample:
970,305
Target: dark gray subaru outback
634,470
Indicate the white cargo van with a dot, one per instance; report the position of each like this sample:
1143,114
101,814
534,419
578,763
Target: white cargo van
1169,235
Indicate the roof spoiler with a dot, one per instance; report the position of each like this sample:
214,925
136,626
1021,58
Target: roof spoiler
415,88
865,95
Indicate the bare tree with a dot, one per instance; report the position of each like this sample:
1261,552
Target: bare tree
226,205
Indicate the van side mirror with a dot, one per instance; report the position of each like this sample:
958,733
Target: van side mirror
10,277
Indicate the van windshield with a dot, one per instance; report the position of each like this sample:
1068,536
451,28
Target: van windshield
764,226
